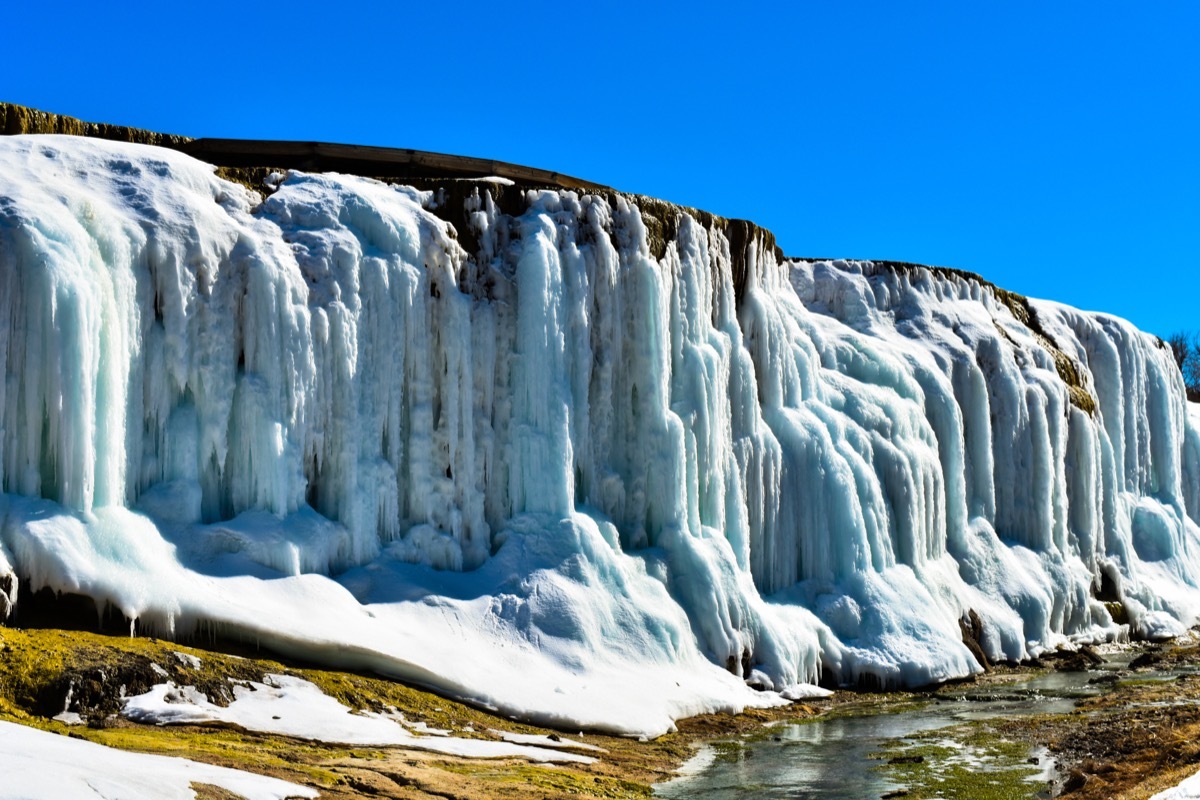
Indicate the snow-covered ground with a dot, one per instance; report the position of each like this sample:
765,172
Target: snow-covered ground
292,706
559,476
37,764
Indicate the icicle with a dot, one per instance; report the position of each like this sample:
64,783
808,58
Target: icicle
625,436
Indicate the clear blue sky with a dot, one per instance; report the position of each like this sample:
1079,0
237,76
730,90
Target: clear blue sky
1050,146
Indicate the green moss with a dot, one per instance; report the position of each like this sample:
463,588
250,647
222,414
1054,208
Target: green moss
1159,680
875,706
44,672
548,779
970,762
40,667
255,753
26,667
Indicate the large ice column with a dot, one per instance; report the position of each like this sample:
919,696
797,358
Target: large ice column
68,372
1191,461
133,296
1035,431
871,478
861,458
1143,531
613,426
541,478
632,396
389,438
164,346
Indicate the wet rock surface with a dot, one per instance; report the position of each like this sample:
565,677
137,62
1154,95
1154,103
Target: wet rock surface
1140,736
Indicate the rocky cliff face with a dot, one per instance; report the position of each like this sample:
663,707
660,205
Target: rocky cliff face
15,119
473,431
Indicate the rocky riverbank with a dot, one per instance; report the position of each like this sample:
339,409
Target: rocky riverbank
1088,724
1141,737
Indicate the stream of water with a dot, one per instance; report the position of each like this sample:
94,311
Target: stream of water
837,758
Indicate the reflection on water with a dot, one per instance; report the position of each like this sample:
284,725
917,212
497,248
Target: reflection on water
822,759
832,759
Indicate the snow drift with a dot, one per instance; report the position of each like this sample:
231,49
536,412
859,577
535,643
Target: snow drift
592,460
39,763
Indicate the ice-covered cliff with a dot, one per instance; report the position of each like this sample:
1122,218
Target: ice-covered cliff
584,458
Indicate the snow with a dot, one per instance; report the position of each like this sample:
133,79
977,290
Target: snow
546,741
291,706
1189,789
35,764
559,476
188,660
804,691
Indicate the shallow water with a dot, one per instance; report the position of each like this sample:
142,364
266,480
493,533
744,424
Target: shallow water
835,759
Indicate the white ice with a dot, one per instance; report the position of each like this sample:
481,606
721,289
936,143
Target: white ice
561,476
38,764
291,706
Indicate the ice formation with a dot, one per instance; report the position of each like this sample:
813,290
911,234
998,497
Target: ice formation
585,461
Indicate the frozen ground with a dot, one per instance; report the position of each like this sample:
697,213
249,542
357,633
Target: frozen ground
565,476
37,764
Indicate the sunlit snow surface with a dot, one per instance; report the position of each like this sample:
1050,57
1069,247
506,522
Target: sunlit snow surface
37,764
558,476
292,706
1189,789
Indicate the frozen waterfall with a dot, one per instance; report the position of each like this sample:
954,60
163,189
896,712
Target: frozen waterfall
586,460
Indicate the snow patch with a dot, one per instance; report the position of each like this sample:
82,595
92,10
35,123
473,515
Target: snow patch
35,763
804,691
188,660
553,741
291,706
1189,789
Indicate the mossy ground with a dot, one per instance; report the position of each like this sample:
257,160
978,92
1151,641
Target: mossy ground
972,762
1140,737
1136,740
39,668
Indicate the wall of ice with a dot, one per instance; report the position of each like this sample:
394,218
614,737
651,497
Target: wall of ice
631,455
